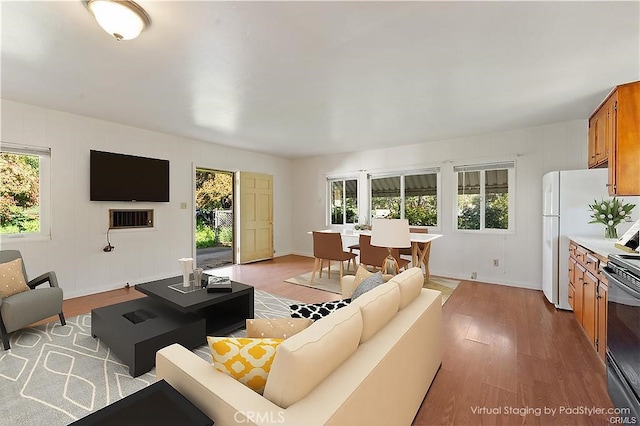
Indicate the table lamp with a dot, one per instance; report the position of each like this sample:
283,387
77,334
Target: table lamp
390,233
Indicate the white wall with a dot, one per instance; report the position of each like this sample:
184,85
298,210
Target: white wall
536,151
79,226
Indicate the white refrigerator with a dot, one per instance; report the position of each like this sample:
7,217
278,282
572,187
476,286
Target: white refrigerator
566,196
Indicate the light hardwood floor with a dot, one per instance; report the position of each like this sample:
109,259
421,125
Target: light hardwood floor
506,352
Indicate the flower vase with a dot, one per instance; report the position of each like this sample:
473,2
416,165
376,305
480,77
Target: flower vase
186,266
610,232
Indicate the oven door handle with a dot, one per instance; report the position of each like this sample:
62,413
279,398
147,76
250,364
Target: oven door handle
620,284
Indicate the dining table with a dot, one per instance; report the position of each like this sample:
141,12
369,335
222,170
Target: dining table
421,249
420,246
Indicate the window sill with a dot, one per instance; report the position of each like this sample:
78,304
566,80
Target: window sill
485,231
23,238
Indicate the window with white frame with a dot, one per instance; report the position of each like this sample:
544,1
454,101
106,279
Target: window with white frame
411,195
485,194
343,201
24,190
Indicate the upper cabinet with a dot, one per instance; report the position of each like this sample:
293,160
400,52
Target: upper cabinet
598,154
614,139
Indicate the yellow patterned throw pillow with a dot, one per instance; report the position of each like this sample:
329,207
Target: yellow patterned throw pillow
11,278
246,360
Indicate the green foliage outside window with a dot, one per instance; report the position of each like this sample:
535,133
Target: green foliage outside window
421,210
496,211
469,215
336,215
386,203
19,193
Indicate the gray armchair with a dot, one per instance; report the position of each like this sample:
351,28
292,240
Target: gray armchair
20,310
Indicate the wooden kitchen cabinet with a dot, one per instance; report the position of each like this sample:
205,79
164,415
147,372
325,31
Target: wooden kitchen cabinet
589,306
602,299
614,139
588,294
597,129
572,289
578,285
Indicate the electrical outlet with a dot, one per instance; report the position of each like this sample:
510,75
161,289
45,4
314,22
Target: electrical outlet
474,275
496,262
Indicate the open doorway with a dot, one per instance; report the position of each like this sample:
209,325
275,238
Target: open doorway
214,218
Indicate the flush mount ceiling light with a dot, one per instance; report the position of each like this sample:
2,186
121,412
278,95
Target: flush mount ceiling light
123,19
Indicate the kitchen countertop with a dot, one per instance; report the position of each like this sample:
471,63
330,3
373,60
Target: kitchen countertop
597,245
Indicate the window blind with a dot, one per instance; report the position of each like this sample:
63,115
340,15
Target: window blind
405,173
24,149
486,166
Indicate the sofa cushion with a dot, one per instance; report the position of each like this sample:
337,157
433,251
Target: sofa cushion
12,279
410,283
315,311
276,328
303,361
378,306
369,283
246,360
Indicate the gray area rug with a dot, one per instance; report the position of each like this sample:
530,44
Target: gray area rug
54,375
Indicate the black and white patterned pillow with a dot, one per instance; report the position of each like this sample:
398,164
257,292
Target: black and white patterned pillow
315,311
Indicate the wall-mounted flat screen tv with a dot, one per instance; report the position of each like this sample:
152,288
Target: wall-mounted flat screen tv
120,177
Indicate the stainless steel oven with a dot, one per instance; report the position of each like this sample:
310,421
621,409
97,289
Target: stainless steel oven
623,332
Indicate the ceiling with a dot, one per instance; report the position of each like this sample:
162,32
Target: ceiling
297,79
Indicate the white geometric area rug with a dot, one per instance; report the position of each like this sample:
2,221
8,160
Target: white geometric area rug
54,375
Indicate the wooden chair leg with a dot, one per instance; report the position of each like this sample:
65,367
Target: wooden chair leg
321,265
315,268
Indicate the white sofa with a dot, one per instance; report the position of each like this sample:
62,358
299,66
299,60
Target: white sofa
370,363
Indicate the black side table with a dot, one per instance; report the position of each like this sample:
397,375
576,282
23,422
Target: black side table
158,404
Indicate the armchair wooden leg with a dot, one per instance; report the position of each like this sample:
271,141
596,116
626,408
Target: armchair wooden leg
62,321
5,335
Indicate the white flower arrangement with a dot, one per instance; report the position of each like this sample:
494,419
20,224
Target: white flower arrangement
610,213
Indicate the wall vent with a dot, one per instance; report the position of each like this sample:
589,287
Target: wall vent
120,219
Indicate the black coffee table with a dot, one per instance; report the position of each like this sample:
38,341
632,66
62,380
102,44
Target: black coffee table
158,404
135,330
223,312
